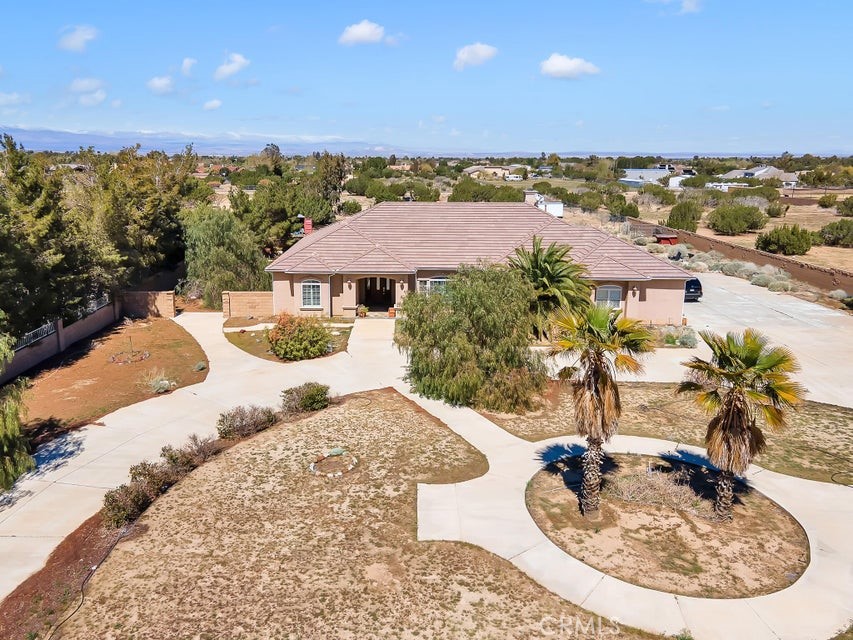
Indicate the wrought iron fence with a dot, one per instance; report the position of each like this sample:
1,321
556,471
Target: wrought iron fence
35,335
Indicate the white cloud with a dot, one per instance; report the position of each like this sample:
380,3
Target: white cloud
364,32
161,85
235,63
560,66
85,85
92,99
684,6
472,55
439,119
212,105
187,65
455,132
76,38
13,99
116,104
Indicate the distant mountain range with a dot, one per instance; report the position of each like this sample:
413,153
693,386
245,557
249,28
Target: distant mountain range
245,144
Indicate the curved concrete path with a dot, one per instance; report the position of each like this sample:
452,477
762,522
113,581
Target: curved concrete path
490,511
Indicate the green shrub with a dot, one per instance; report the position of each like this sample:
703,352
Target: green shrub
664,195
768,193
838,233
777,210
642,241
311,396
827,201
761,279
194,453
780,285
732,268
631,210
685,215
848,302
688,339
789,241
845,207
153,477
670,339
591,200
125,504
697,265
299,337
241,422
732,219
350,207
656,248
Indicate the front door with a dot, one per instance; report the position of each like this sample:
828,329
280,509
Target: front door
377,294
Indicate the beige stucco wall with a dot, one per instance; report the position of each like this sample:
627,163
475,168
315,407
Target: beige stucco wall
655,301
287,292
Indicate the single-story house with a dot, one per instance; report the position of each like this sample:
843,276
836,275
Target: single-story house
376,257
487,171
543,202
764,172
638,177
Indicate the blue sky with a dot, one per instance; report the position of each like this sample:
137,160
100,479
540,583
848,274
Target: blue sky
620,75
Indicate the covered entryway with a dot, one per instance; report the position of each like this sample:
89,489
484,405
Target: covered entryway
376,293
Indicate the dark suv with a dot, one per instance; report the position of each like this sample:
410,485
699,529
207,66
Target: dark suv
692,290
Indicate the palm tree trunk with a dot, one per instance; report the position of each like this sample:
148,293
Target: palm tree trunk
591,487
725,495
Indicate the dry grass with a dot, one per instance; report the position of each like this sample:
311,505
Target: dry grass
657,529
817,444
251,545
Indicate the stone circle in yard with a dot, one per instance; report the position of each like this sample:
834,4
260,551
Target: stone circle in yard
334,464
129,357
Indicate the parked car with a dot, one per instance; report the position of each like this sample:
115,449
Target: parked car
692,290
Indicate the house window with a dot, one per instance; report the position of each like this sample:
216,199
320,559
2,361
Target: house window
311,293
432,285
610,295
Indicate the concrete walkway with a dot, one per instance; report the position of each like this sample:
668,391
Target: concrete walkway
490,511
73,472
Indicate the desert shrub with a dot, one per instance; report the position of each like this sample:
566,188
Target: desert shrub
688,339
298,337
732,219
827,201
838,294
194,453
670,339
311,396
153,477
679,249
350,207
747,271
591,200
848,302
838,233
685,215
731,268
777,210
697,266
752,201
201,365
642,241
156,381
670,489
631,210
125,504
660,193
845,207
781,285
761,279
241,422
656,248
770,194
789,241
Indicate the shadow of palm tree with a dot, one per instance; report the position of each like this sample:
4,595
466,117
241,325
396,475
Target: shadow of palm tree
565,461
700,473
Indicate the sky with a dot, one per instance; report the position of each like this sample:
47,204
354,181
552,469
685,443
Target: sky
637,76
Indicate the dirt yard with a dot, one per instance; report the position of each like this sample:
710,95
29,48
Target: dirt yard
252,545
681,549
81,385
817,444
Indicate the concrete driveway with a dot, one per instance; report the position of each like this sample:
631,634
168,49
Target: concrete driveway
820,338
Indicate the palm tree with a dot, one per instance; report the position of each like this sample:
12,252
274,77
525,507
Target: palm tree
557,280
604,344
744,380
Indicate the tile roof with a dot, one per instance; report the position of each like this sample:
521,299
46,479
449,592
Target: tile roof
403,237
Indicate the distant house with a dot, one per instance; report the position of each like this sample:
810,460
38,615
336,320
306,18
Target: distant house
638,177
487,171
544,203
374,258
764,172
725,186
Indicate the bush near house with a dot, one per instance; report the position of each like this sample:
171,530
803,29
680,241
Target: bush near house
299,338
311,396
845,207
732,219
350,207
470,345
789,241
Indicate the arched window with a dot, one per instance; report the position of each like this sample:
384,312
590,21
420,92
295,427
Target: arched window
610,295
311,293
